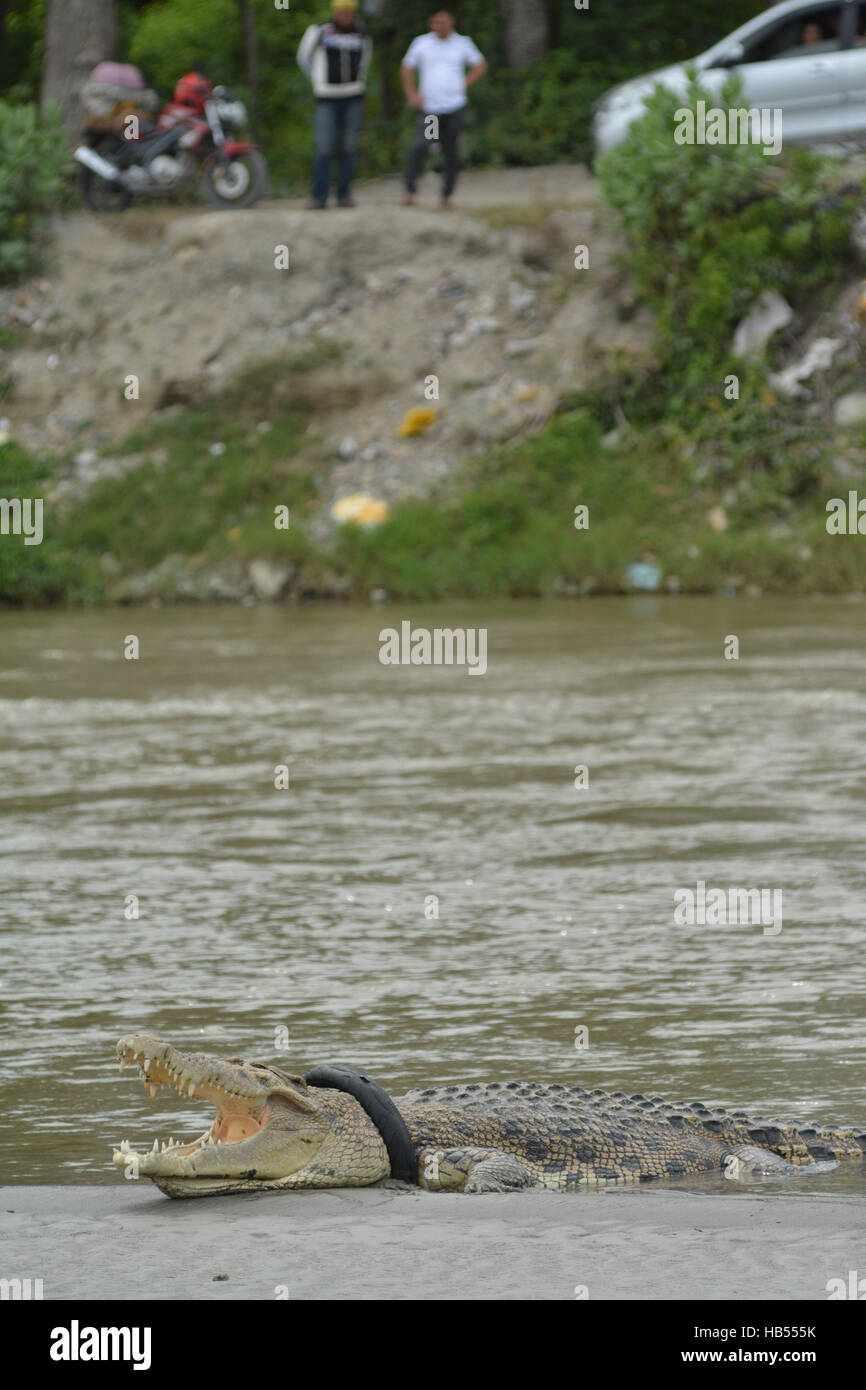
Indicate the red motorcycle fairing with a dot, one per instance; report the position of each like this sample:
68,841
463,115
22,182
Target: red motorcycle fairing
171,116
237,147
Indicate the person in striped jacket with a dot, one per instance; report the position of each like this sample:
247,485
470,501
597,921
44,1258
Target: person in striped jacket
336,57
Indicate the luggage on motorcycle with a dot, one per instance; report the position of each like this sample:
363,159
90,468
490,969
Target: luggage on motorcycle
118,75
114,91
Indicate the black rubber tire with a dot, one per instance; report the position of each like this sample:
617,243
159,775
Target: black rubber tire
98,195
257,186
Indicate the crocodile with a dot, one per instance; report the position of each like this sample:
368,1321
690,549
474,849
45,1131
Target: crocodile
274,1130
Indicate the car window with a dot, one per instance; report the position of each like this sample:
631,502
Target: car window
859,39
804,35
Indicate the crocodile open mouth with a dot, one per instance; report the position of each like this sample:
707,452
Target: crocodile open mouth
241,1111
267,1128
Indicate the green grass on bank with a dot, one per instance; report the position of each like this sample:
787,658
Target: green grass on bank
182,500
503,527
510,531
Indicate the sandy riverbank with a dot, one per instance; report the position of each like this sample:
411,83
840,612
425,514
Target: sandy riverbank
393,1243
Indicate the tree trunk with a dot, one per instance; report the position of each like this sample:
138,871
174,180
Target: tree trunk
78,35
251,53
527,30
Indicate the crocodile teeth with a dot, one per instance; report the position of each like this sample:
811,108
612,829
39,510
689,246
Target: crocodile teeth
192,1088
147,1064
152,1089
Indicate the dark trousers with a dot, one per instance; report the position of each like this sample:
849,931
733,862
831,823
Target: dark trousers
450,126
336,131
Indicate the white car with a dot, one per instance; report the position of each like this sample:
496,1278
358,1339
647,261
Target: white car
807,59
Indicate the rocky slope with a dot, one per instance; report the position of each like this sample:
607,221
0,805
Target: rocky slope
375,302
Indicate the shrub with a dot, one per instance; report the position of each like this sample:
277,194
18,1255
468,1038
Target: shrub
539,115
31,179
709,227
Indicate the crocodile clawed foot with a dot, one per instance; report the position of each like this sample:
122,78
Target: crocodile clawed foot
472,1170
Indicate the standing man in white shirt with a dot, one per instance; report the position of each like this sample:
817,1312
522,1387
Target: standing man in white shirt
447,63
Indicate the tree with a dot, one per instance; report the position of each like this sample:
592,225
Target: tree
527,31
78,35
251,59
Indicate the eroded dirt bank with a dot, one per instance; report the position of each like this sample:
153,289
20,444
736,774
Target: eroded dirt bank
375,302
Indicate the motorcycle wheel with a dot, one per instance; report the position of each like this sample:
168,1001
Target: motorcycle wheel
238,184
99,195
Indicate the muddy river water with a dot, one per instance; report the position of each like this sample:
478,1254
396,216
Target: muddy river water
432,897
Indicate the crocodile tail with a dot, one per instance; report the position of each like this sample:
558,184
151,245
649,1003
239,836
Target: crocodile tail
831,1143
806,1143
796,1143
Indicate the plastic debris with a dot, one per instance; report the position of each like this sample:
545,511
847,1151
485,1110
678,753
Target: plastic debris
417,421
768,314
642,575
359,509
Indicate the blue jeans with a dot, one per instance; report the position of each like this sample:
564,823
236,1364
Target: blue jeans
336,131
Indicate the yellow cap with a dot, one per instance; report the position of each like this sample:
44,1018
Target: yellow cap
344,4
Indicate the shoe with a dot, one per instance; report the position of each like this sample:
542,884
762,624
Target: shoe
408,200
347,202
447,205
315,206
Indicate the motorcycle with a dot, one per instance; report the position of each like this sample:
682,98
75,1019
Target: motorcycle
125,152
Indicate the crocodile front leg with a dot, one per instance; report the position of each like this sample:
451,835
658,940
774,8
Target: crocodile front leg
472,1170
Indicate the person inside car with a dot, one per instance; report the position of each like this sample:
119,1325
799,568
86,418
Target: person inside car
812,33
